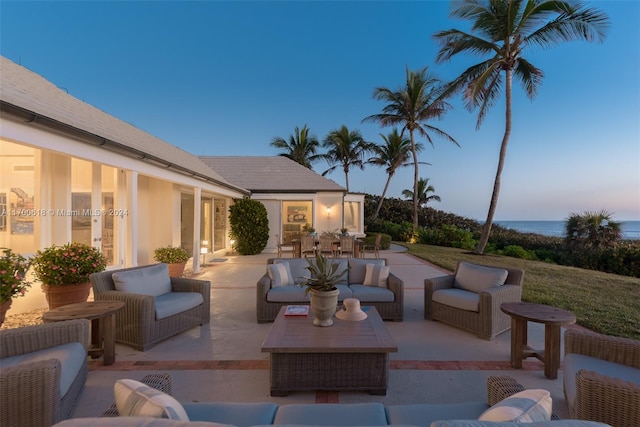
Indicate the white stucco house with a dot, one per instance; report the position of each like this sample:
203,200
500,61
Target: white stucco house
71,172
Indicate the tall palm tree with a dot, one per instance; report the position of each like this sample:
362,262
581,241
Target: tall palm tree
345,148
412,106
393,154
301,146
424,192
502,30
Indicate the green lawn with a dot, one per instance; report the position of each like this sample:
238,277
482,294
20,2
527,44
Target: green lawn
605,303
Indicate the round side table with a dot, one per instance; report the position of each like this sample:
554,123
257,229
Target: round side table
103,324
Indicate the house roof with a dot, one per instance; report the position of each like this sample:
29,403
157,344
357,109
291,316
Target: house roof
46,104
273,174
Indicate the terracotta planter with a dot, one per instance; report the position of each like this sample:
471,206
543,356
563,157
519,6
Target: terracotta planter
4,307
57,296
176,269
323,306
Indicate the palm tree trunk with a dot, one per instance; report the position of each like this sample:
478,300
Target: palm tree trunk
486,230
416,177
346,177
384,192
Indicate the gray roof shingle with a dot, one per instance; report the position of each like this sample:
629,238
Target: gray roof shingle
261,174
29,91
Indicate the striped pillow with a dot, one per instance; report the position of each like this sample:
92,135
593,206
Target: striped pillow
376,275
280,274
135,399
527,406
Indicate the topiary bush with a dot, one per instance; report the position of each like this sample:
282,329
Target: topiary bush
249,226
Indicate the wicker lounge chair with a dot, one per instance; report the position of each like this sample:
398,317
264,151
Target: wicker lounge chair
488,321
30,391
602,378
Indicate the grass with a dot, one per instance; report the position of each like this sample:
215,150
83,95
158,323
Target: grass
602,302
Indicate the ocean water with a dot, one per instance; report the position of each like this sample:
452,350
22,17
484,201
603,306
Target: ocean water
630,229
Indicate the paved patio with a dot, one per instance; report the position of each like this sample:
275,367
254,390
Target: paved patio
222,361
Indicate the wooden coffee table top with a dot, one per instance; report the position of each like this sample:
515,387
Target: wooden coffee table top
83,310
296,334
539,313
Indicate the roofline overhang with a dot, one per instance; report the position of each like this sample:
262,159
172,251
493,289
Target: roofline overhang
293,191
89,138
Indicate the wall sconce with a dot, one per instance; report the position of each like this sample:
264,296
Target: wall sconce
328,211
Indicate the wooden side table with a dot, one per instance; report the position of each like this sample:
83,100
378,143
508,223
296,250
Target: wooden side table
103,324
552,318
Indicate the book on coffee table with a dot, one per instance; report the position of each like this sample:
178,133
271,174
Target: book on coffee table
296,310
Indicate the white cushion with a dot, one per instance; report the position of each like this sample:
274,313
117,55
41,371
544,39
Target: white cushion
280,274
153,280
477,278
527,406
376,275
135,399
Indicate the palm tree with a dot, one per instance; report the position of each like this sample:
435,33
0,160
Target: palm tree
592,229
424,190
412,106
502,30
345,148
394,153
301,147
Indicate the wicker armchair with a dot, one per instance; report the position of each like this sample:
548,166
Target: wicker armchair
136,323
592,393
30,392
489,320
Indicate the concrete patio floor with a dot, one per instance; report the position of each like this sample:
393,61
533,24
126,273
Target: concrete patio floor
222,361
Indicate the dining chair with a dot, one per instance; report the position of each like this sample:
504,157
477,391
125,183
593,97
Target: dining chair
284,247
347,244
307,246
375,247
326,246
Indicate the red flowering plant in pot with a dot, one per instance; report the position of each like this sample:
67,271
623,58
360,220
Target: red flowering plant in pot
13,272
64,272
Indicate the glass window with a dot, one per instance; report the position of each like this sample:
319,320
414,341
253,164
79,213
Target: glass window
295,215
351,215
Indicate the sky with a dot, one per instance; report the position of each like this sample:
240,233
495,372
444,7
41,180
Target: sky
225,78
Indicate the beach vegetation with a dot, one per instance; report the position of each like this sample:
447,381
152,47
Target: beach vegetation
502,31
426,193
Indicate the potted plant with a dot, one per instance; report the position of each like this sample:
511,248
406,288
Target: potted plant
64,272
175,257
13,271
321,284
344,231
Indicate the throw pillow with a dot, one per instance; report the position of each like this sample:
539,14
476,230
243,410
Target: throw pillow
280,274
135,399
477,278
152,280
376,275
527,406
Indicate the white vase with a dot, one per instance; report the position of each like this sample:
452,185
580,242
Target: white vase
323,306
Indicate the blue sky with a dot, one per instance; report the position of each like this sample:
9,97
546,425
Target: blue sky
224,78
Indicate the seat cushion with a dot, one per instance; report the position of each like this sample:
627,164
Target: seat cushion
458,298
527,406
176,302
152,280
332,414
71,356
376,275
345,292
236,413
280,274
477,278
135,399
357,269
293,293
572,363
371,293
422,414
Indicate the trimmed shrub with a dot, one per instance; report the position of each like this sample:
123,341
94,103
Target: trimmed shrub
249,226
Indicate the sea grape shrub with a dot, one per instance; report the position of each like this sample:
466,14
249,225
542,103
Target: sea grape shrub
249,226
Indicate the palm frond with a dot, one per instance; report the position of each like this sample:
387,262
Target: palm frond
529,76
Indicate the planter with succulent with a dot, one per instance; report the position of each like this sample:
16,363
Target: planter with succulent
64,272
175,257
321,284
344,231
13,271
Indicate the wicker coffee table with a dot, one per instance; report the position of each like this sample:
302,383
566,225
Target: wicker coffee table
345,356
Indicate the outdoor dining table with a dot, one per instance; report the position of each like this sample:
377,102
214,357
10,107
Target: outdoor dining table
297,247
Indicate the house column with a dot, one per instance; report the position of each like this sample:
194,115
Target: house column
131,256
197,207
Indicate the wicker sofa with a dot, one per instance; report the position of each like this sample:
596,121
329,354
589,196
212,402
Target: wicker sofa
601,378
140,323
389,301
43,369
471,298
